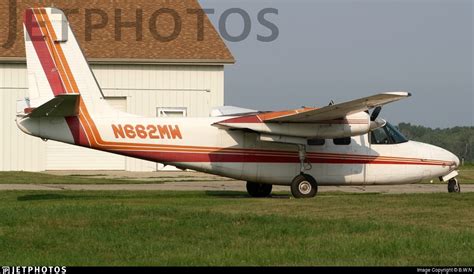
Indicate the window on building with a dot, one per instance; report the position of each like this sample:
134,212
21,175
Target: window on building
171,112
316,142
342,141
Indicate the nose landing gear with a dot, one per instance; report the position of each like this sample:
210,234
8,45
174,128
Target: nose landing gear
453,185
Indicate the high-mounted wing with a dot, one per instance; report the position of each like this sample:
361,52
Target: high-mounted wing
332,112
334,121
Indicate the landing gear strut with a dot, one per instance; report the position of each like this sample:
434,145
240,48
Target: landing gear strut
453,185
302,157
259,190
303,185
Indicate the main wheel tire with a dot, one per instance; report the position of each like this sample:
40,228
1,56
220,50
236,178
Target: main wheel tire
304,186
259,190
453,185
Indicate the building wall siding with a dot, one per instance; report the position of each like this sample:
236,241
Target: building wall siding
146,87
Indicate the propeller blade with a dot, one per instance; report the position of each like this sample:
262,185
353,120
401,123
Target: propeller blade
375,113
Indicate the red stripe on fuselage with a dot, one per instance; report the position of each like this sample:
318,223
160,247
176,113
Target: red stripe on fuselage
190,157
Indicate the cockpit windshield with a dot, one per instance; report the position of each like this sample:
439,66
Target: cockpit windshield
387,134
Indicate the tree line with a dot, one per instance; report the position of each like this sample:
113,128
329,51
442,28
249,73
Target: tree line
458,140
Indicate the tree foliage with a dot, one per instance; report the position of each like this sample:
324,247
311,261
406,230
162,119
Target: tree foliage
458,140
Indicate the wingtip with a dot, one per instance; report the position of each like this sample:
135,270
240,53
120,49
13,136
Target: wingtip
399,93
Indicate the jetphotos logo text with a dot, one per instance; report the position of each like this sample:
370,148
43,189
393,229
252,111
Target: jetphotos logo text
149,23
33,270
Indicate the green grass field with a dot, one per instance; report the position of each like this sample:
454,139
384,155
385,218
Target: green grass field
466,174
228,228
21,177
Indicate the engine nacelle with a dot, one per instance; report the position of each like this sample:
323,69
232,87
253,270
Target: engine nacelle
352,125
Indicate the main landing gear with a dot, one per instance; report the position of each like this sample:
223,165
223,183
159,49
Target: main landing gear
302,186
453,185
259,190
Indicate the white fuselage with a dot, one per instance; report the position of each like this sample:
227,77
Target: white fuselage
194,143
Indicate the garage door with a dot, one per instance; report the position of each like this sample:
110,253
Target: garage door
62,156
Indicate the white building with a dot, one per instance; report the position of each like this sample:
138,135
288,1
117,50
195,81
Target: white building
183,77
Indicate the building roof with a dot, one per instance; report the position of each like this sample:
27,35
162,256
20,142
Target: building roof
105,44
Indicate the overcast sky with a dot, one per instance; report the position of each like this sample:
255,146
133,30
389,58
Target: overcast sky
342,49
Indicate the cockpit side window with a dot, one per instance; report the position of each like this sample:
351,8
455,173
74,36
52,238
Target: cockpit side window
379,136
387,134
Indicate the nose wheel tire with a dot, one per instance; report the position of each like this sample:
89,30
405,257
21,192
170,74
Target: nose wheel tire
453,185
259,190
304,186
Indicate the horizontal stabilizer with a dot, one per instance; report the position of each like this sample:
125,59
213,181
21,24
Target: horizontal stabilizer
63,105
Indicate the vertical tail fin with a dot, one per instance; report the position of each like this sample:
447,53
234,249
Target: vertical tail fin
56,63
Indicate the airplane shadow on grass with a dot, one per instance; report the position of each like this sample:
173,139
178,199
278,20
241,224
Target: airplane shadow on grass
51,196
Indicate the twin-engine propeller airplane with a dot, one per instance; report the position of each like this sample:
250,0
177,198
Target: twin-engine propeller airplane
339,144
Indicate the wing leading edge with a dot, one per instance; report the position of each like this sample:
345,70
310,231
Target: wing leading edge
332,112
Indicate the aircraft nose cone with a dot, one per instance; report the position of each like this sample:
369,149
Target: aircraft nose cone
456,160
450,157
447,156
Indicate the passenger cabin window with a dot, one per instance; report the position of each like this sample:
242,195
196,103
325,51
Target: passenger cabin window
386,135
316,142
342,141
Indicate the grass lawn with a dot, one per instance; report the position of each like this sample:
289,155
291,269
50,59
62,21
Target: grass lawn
227,228
20,177
466,174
